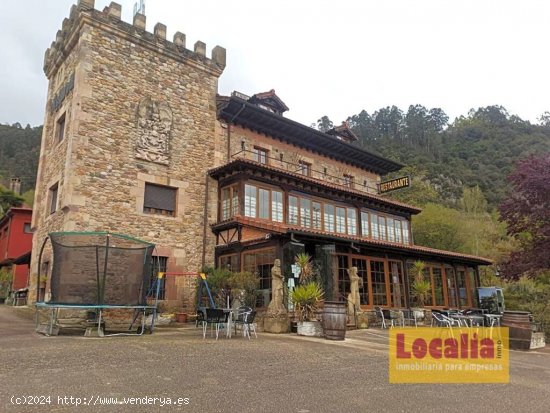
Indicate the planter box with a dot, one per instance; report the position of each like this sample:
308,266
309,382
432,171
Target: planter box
310,328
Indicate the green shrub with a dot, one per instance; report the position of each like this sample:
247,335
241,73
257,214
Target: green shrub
306,298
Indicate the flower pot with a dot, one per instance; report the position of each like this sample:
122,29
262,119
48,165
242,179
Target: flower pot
181,317
310,328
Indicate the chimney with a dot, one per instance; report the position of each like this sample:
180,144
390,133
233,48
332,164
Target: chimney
15,185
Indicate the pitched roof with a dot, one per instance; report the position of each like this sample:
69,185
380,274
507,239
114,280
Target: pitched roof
282,228
237,110
343,131
270,99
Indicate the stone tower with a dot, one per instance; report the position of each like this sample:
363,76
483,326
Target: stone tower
128,137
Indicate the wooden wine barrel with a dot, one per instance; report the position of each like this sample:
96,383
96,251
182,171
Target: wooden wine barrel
519,326
334,320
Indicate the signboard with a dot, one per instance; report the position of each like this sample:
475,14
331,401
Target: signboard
393,184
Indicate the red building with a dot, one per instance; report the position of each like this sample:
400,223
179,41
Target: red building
15,242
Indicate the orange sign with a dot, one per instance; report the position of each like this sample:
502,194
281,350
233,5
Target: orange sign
444,355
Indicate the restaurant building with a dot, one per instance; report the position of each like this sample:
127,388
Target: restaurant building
137,140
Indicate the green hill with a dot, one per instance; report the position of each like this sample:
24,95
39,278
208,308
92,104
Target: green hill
479,149
19,152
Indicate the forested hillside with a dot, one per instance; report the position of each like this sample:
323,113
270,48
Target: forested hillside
479,149
19,152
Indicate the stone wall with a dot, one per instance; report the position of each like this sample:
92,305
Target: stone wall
142,110
291,155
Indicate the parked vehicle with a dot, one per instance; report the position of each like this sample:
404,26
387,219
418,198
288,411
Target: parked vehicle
491,299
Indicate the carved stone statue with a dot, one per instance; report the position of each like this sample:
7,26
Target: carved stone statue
276,305
154,125
354,300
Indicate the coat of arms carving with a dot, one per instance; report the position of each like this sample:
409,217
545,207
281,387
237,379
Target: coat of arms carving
154,125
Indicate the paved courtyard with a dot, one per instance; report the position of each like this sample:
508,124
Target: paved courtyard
273,373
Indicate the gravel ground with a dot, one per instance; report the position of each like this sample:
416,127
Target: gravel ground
273,373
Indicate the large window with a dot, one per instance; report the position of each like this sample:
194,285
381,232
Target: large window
305,213
397,284
277,206
329,218
437,282
230,202
293,210
386,228
263,204
341,220
260,263
374,226
160,200
316,215
365,232
352,221
379,285
250,200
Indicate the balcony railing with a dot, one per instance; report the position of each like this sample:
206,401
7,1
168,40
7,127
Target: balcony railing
306,170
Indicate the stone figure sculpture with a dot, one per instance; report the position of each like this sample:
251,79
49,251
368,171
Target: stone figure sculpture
276,305
154,125
354,300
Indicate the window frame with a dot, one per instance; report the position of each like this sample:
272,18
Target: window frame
60,126
260,155
53,198
304,168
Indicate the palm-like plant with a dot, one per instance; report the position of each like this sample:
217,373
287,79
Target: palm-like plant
306,298
420,287
303,261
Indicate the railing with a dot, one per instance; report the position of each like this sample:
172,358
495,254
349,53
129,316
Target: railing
308,171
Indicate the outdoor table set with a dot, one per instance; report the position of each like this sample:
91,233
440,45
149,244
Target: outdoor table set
228,319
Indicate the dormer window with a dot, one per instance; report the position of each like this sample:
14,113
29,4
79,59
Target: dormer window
269,101
343,133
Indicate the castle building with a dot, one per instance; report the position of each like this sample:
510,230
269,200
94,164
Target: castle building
137,141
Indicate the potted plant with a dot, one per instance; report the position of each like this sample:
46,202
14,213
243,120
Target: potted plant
306,299
420,288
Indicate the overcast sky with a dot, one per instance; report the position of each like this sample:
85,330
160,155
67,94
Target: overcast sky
324,57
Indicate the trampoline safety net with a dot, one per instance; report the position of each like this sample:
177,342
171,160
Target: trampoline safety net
98,268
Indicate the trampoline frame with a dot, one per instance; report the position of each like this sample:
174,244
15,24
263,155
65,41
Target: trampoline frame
54,313
55,307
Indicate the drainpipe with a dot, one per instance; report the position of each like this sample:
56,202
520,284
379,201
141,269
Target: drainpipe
205,224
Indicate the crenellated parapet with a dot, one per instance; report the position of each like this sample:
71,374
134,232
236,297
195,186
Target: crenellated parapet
110,20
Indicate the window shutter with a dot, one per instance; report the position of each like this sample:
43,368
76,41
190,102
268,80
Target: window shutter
160,197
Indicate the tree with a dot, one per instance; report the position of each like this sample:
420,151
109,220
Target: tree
8,199
527,213
324,124
438,227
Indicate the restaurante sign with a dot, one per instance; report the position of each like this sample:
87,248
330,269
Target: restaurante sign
393,184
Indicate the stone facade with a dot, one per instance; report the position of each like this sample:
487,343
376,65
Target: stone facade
286,156
136,109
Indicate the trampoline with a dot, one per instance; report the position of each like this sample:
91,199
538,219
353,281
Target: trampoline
98,271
